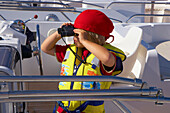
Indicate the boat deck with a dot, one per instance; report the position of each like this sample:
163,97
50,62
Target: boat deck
41,107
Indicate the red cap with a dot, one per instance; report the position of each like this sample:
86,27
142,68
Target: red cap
94,21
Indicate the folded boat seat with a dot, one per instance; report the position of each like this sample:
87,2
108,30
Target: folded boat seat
164,58
130,45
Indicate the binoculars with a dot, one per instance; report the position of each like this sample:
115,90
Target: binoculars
66,31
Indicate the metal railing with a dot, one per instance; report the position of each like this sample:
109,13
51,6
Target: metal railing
121,106
137,2
66,95
155,99
26,8
2,17
139,93
81,2
39,49
56,3
50,9
17,5
134,82
144,15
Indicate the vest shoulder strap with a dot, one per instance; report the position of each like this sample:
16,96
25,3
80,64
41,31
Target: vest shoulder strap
118,52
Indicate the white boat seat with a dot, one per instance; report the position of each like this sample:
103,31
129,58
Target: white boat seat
130,45
164,58
163,49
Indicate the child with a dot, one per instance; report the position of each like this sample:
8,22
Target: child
92,56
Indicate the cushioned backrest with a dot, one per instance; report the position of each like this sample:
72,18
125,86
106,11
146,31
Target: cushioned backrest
130,45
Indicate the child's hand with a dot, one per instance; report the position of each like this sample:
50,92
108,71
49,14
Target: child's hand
82,35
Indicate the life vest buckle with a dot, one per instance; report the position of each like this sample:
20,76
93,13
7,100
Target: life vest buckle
78,111
94,66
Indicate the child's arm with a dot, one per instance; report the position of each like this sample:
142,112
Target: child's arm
48,46
99,51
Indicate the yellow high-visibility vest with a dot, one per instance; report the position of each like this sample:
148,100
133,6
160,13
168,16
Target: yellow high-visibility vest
91,68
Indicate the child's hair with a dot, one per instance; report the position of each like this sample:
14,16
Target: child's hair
96,38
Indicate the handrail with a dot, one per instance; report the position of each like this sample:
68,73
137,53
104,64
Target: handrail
66,93
157,100
57,9
137,2
116,20
9,7
146,95
34,2
38,8
84,3
135,82
149,95
58,3
121,106
143,15
115,2
2,17
39,49
25,8
66,16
